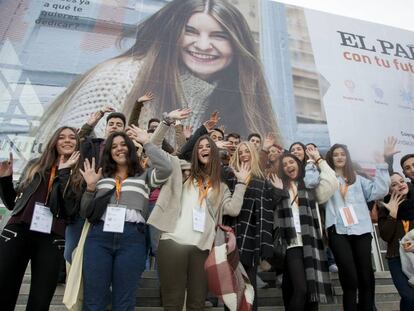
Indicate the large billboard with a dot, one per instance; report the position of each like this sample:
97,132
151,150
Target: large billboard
263,65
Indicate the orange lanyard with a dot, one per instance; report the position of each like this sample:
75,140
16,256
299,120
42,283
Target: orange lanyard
202,190
249,178
344,190
118,186
406,225
51,178
50,183
295,194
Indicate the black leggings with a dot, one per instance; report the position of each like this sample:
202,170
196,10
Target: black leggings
294,287
18,245
353,258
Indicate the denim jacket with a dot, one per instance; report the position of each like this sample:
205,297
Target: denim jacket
359,193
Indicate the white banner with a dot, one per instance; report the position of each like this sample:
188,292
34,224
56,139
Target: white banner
369,95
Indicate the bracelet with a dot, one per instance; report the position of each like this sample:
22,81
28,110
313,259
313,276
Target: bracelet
167,120
318,160
240,182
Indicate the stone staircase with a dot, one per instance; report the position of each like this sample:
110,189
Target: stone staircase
270,299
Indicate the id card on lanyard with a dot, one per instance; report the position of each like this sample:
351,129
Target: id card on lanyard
42,218
347,213
115,218
115,213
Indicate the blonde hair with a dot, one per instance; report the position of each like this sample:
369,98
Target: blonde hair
254,161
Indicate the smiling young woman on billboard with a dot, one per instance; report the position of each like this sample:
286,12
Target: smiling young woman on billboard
193,53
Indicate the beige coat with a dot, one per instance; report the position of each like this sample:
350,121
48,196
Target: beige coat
165,214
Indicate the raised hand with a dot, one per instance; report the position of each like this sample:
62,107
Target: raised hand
188,131
389,146
269,141
90,175
70,162
96,116
180,114
243,173
139,135
6,166
379,157
148,96
221,144
392,205
312,153
275,181
211,123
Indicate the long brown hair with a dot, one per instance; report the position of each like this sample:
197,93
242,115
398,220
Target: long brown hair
348,171
49,158
158,45
241,85
109,166
210,171
286,179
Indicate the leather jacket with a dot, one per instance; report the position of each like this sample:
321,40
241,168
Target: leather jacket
58,200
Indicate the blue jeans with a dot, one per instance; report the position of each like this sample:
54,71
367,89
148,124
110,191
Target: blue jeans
113,259
401,283
72,236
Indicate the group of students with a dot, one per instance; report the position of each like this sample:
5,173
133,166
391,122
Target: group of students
133,180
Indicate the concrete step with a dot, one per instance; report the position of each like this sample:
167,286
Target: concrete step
381,278
386,306
150,278
150,297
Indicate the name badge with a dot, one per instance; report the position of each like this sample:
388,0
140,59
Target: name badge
296,221
115,218
42,219
199,219
348,215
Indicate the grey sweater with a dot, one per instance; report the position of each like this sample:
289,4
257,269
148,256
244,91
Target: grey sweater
135,190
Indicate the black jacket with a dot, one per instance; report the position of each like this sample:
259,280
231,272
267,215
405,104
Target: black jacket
61,200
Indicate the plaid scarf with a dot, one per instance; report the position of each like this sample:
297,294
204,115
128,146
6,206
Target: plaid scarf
226,276
254,225
316,265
